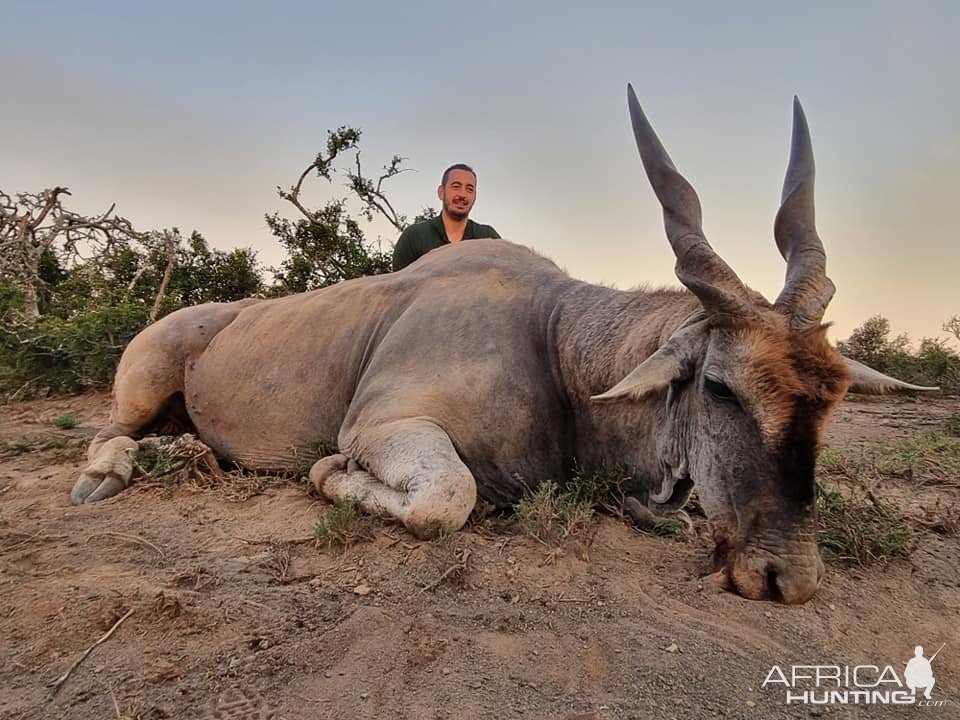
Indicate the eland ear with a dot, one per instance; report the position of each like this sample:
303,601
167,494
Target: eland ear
868,381
654,373
672,361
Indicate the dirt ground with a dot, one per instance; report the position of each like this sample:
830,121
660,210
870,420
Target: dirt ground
231,611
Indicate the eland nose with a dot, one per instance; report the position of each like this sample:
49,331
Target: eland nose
788,577
792,584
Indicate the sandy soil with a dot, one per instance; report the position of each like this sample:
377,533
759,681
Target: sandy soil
237,614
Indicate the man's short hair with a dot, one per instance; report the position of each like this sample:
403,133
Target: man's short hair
457,166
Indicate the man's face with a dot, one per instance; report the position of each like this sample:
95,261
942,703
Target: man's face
459,194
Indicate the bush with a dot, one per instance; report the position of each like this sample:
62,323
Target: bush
67,355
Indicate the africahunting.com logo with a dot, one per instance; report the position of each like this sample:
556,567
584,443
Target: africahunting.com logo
858,684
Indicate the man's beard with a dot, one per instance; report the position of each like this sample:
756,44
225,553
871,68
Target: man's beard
457,214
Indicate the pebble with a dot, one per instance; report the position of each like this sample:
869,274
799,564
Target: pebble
671,648
361,589
751,703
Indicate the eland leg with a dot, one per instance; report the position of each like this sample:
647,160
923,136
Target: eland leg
143,393
407,469
148,393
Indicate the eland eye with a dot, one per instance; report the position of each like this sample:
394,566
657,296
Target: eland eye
719,390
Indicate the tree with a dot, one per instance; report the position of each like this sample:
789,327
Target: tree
328,245
871,345
932,364
91,309
35,227
952,326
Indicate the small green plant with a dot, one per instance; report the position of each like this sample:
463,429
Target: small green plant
860,529
446,540
343,524
67,421
305,456
669,527
155,460
830,458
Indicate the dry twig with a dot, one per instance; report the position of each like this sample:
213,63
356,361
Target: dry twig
58,683
168,240
132,538
459,567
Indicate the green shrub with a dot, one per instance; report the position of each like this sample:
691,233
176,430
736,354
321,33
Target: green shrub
66,421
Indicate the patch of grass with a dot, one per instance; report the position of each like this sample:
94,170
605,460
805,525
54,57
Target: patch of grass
21,445
67,421
952,425
857,527
322,447
343,524
73,446
926,458
550,515
930,457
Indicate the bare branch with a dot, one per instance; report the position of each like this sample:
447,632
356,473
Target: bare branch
35,223
168,238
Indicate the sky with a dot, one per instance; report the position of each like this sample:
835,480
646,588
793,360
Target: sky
190,114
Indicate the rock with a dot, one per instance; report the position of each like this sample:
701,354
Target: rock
671,648
361,590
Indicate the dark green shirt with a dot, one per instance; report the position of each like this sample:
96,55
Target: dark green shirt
422,237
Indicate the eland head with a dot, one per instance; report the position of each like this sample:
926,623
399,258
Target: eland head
748,384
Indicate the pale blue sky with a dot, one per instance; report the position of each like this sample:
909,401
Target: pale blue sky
190,114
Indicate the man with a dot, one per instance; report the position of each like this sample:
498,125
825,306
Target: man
457,193
918,673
